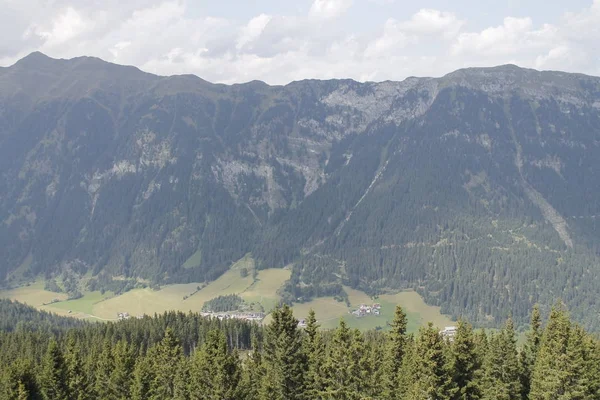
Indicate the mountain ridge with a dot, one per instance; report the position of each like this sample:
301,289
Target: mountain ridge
455,186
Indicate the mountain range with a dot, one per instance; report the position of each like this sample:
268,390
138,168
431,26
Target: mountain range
479,189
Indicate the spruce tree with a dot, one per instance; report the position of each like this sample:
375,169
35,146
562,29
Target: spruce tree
78,381
551,365
576,383
253,372
18,381
214,373
592,369
341,379
143,375
502,370
394,354
432,378
530,351
120,378
466,365
315,350
53,379
165,359
284,358
103,370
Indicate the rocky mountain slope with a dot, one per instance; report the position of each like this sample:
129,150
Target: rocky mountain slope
480,189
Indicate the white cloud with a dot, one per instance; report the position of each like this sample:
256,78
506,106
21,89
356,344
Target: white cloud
253,29
433,22
164,37
392,39
326,9
66,26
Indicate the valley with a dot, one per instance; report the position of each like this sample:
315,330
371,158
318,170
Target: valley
261,290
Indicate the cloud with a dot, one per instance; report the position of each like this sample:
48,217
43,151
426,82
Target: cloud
326,9
433,22
167,37
253,30
392,39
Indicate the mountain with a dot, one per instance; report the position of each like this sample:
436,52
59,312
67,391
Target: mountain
480,189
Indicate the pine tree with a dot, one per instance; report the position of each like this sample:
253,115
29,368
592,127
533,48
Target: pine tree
19,381
502,370
143,375
592,369
78,382
530,351
120,378
214,373
466,365
53,379
284,358
165,359
104,367
253,372
576,383
314,350
551,366
341,376
394,355
432,378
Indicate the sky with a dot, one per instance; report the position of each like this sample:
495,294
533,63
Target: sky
279,41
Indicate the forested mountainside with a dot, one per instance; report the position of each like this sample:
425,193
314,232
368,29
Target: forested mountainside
184,356
479,189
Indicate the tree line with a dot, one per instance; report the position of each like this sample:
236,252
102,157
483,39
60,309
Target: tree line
184,356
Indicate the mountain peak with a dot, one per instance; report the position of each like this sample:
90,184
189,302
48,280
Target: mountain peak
34,59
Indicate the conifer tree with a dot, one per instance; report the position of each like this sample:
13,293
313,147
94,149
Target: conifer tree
77,380
284,358
183,380
120,378
576,383
340,377
314,350
394,355
165,360
502,371
432,378
143,375
466,365
214,373
53,379
253,372
530,351
406,375
551,366
103,370
18,381
592,369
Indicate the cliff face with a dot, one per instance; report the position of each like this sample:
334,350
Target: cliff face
480,189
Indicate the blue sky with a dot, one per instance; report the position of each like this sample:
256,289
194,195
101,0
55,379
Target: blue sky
279,41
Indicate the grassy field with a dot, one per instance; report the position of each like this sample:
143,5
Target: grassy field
260,289
263,290
33,294
329,311
194,260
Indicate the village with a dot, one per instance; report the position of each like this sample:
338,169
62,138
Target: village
245,316
364,310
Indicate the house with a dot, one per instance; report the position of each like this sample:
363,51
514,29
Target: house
302,323
449,332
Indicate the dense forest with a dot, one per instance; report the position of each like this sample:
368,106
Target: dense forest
185,356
